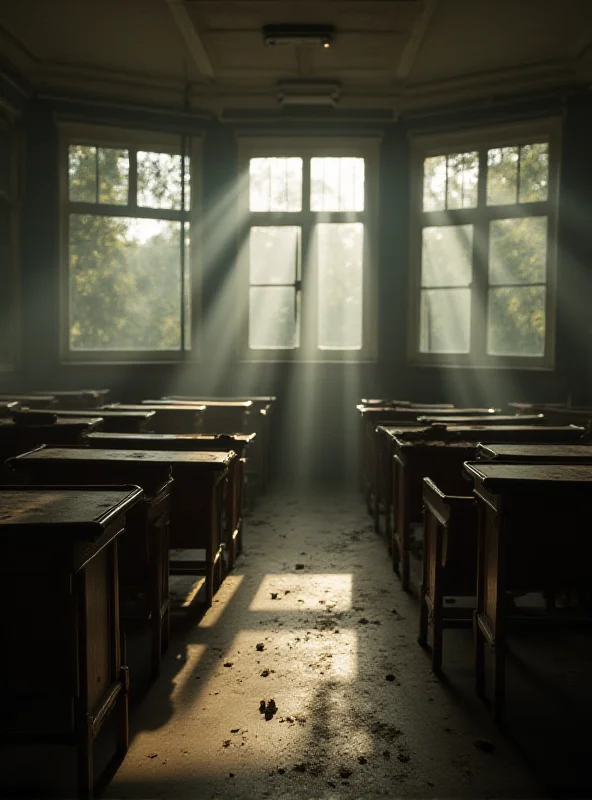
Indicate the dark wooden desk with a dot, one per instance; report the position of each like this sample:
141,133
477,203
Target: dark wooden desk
30,400
499,434
144,550
114,421
530,539
412,462
197,496
62,674
8,407
77,398
490,419
383,475
194,442
16,437
167,418
257,421
536,453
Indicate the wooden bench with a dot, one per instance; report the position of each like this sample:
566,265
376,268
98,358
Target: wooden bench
77,398
530,539
62,673
449,565
239,443
144,551
167,418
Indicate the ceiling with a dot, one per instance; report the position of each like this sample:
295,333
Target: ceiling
209,54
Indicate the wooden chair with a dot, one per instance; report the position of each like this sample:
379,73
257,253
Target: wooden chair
449,566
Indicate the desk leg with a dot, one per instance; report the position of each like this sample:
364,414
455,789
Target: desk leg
478,638
377,481
85,759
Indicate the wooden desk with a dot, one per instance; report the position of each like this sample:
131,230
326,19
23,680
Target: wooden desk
16,438
7,408
490,419
559,434
62,673
258,421
167,418
449,563
77,398
536,453
383,473
195,442
412,462
30,400
115,421
530,539
197,495
144,550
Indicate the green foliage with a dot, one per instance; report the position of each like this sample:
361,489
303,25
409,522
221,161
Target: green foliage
125,274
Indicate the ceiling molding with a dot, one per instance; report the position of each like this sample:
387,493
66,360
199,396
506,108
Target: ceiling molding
191,37
415,41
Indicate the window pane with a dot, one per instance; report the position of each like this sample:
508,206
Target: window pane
534,172
275,184
159,180
125,283
274,254
113,176
463,171
337,184
502,176
445,322
447,255
518,250
82,173
340,261
273,318
516,321
434,183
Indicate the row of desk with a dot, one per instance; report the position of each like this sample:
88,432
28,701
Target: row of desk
501,499
88,520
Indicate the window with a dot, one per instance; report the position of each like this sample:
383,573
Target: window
128,214
9,212
482,247
306,252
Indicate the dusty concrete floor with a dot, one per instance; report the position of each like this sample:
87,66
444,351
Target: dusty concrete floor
313,618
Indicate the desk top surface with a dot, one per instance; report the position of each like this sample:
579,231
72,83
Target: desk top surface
489,419
240,404
73,393
543,452
23,398
171,438
98,412
212,460
64,505
9,425
497,476
460,429
156,407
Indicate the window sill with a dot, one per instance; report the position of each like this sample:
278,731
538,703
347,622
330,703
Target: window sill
522,367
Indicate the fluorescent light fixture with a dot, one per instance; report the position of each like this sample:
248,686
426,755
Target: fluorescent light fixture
302,93
316,35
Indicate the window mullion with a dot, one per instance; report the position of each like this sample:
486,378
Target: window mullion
480,283
307,290
132,198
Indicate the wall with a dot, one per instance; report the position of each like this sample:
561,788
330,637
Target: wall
316,414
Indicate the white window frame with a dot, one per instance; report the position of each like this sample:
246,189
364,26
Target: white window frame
121,138
482,139
368,148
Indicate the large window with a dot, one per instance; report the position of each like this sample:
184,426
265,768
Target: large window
306,252
9,213
483,247
128,207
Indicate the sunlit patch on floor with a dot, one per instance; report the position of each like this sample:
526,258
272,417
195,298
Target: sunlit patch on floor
285,592
222,600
